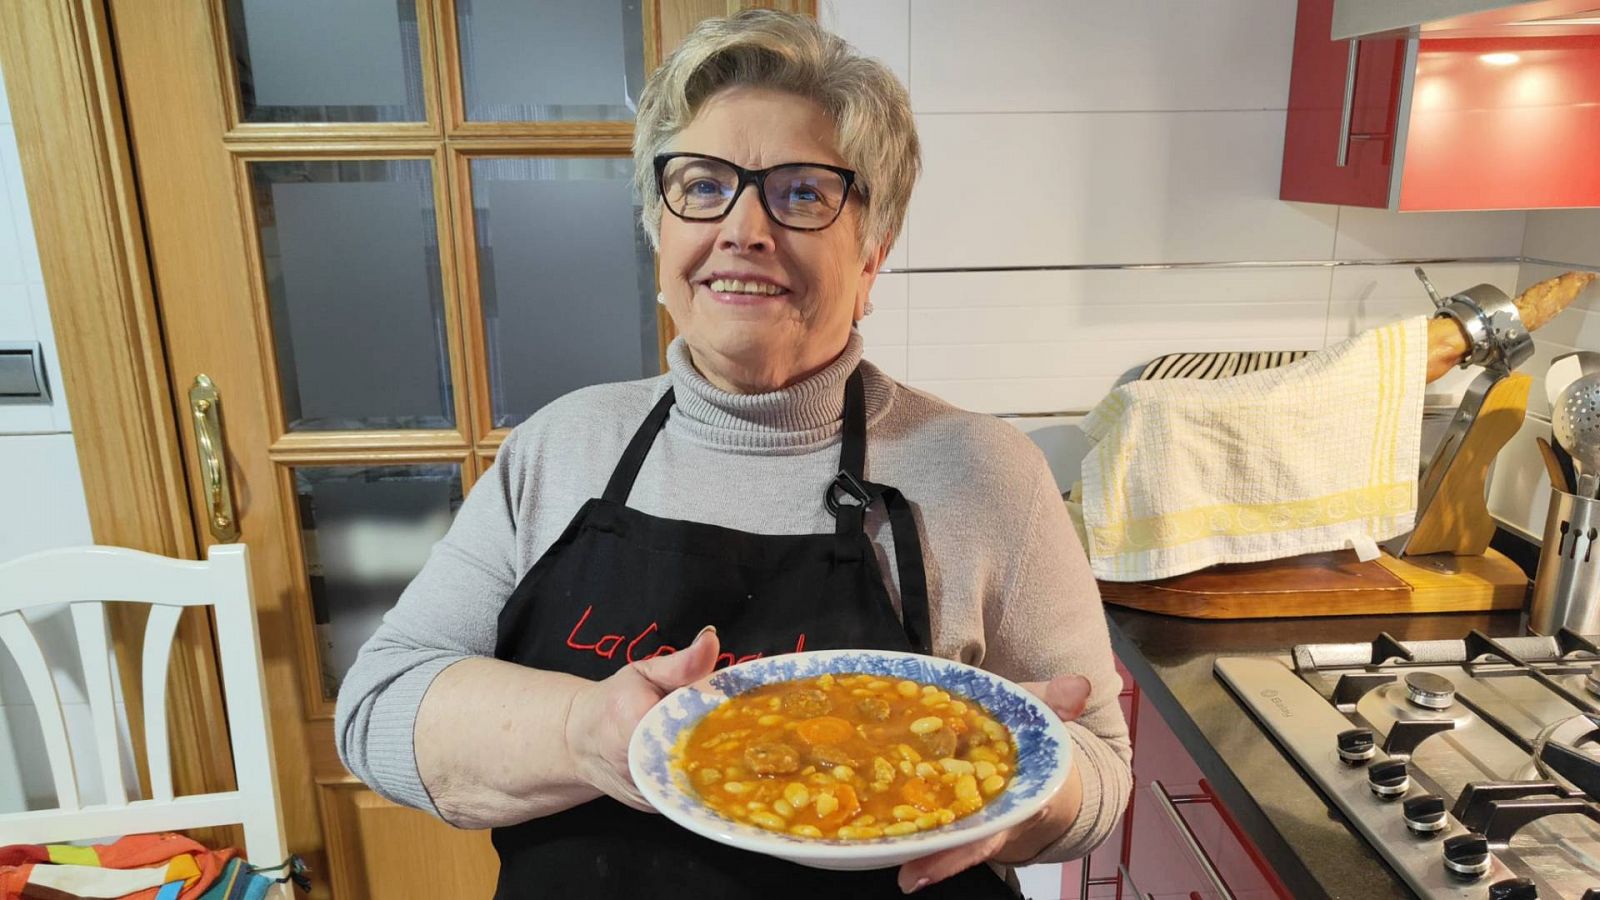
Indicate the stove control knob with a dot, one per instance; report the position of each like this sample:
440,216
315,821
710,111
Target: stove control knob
1425,815
1467,856
1389,779
1357,745
1430,691
1514,889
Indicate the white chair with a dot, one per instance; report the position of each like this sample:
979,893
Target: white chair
86,578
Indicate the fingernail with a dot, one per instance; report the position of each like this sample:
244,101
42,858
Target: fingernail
710,628
921,883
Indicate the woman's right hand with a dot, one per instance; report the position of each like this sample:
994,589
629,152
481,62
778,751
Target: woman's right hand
603,715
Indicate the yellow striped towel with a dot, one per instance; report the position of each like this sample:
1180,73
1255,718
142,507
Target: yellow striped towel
1318,455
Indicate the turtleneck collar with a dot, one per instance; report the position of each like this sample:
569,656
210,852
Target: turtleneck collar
803,413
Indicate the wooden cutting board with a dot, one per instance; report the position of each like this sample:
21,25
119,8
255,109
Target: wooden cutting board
1331,584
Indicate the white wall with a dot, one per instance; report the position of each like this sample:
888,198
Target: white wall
41,500
1519,494
1067,132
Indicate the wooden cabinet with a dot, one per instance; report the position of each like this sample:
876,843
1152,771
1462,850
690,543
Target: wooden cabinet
1504,122
317,223
1176,840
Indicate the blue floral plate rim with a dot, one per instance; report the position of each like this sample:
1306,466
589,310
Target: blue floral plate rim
1044,754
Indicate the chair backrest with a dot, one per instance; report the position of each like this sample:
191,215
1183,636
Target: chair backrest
85,578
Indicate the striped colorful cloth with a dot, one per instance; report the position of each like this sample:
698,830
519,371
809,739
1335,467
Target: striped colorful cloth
1320,454
136,867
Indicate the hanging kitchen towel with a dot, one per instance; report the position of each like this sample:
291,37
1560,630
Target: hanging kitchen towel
1321,454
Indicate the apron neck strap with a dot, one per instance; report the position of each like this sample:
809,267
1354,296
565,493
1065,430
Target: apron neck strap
853,430
621,483
849,495
914,616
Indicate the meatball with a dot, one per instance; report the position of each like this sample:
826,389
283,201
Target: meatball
873,708
938,744
772,758
973,738
806,703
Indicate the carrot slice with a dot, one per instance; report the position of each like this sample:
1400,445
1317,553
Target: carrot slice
920,794
825,730
849,808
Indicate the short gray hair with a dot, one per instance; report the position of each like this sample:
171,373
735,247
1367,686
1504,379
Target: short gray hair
783,51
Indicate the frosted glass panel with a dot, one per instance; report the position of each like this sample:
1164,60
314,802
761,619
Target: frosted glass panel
316,61
567,276
525,60
351,257
367,532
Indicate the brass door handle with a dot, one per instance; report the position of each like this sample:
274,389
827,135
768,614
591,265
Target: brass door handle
205,406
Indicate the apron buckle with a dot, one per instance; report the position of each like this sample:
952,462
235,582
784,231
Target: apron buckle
850,486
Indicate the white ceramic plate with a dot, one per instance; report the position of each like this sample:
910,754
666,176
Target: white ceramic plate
1044,756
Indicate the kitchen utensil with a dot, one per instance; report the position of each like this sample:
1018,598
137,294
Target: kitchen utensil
1569,479
1552,465
1567,368
1044,755
1576,423
1566,586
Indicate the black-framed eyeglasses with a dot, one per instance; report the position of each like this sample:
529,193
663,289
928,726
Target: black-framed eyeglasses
801,196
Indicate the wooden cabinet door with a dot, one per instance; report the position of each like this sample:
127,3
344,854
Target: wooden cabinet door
383,232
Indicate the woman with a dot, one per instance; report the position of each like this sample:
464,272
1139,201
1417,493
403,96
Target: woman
632,537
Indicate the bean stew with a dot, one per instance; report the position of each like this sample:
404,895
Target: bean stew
847,757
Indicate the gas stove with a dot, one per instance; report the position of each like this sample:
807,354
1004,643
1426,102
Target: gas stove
1472,766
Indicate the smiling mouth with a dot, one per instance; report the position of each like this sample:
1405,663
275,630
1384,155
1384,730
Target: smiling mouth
735,286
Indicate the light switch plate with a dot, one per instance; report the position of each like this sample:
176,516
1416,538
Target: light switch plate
22,378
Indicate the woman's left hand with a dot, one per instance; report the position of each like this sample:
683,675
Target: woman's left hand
1067,695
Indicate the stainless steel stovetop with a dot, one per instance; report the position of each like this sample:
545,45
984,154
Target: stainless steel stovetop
1472,766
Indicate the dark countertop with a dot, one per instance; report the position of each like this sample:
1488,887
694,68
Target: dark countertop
1306,841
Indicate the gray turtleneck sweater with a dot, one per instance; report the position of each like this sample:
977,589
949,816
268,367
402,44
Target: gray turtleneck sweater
1009,585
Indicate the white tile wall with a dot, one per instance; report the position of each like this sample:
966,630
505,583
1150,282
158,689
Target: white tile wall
1564,235
1519,492
1049,55
1519,489
41,502
878,29
1380,234
1034,189
1070,132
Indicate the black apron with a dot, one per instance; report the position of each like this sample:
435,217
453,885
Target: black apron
620,586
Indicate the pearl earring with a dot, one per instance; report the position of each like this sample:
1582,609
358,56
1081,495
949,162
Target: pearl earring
661,298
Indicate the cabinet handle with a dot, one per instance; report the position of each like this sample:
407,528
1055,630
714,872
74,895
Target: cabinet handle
205,409
1348,112
1165,801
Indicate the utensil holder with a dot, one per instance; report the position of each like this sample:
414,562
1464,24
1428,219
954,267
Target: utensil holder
1566,588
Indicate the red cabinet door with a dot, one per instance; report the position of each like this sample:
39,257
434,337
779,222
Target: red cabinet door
1100,882
1181,841
1322,118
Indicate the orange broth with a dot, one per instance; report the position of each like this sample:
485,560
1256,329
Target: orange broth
847,757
